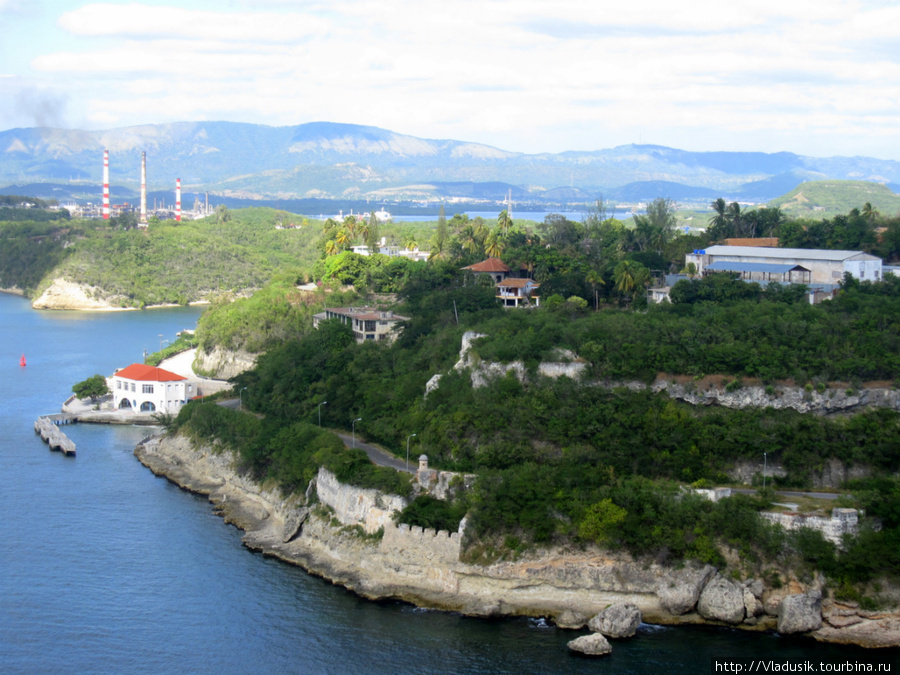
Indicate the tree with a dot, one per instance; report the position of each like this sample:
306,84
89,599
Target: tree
493,245
601,521
504,222
439,242
223,215
594,278
343,238
93,387
370,233
630,277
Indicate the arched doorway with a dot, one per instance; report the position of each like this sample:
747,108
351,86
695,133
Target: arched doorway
147,406
124,404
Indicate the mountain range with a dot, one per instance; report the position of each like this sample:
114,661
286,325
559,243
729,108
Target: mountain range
329,161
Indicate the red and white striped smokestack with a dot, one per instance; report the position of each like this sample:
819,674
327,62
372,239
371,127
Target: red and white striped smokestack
143,187
178,200
106,185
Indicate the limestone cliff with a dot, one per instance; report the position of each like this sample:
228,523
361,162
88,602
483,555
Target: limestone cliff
349,538
65,294
224,363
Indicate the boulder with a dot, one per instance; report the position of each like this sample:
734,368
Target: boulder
592,645
800,613
680,597
619,620
570,619
722,600
752,606
293,523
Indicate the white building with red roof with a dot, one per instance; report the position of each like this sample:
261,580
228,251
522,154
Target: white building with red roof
144,388
511,290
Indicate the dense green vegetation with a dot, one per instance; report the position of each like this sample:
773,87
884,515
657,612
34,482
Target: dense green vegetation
560,461
168,263
288,454
31,250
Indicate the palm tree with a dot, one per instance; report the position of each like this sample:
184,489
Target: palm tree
469,239
411,244
330,247
365,228
503,221
736,218
350,226
493,245
631,277
718,224
869,212
343,238
594,278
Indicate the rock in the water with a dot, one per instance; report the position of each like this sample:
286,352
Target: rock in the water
592,645
619,620
722,600
800,613
680,598
570,619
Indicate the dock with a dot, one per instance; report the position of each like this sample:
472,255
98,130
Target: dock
47,426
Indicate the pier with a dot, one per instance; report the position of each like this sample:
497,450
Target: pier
47,426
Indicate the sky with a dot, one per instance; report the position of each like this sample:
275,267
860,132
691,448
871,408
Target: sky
815,77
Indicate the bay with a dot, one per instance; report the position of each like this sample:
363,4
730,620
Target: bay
105,568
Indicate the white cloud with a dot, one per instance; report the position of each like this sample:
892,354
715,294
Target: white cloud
528,75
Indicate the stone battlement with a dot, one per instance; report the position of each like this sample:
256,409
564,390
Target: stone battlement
841,522
425,546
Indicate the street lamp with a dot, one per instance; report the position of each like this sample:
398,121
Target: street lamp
320,411
161,341
241,395
765,463
407,450
353,429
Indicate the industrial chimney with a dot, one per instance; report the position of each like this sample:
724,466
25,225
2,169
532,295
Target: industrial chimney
143,188
106,185
178,200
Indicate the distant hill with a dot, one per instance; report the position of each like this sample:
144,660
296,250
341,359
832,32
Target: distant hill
826,198
324,160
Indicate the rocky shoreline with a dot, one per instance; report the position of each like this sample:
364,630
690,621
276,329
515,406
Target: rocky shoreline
350,539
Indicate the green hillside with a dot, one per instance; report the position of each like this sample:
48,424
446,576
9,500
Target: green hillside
828,198
167,263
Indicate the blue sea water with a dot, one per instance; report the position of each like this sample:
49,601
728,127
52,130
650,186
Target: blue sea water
105,568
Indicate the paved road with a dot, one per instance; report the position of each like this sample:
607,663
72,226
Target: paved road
380,457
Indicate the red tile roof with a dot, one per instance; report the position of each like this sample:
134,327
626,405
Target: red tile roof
143,372
518,283
489,265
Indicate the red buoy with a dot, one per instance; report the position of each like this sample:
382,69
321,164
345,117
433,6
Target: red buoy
22,361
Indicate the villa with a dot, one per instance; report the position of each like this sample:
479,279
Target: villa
368,323
512,291
144,388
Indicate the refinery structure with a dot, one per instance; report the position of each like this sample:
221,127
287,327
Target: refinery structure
160,208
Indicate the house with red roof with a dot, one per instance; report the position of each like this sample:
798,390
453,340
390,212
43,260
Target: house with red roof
511,290
493,267
144,388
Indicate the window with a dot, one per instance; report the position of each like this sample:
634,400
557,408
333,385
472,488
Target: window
147,388
370,326
132,386
118,384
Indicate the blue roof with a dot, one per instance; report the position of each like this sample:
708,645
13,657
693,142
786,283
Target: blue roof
769,268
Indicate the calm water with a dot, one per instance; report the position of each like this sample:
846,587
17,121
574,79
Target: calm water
105,568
